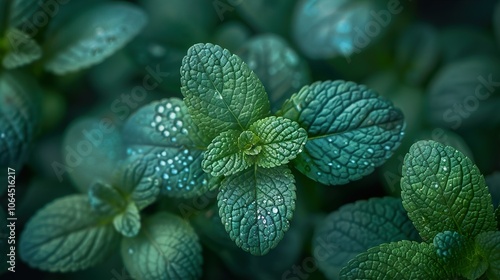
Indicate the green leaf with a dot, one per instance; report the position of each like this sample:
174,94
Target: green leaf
22,49
357,227
67,235
220,91
89,38
128,223
489,246
105,199
22,10
397,260
165,248
443,190
264,16
164,131
497,212
281,140
19,117
138,179
351,130
281,70
223,155
256,207
459,254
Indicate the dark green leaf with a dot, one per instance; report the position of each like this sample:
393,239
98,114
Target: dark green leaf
281,140
266,16
128,223
489,246
443,190
405,260
22,49
223,155
351,130
220,91
165,248
23,10
281,70
165,131
105,199
91,37
67,235
256,207
357,227
493,182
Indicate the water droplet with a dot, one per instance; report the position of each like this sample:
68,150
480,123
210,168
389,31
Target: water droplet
153,124
170,161
178,123
174,139
161,127
163,163
275,210
190,158
330,140
158,118
204,182
2,135
436,185
264,221
330,164
164,153
130,251
165,176
160,109
370,150
168,105
387,148
318,173
445,168
172,115
184,131
174,171
177,109
174,129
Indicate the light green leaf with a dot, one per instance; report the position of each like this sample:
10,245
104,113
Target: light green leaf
67,235
105,199
351,130
22,49
256,207
91,37
223,155
281,70
139,180
443,190
166,248
405,260
489,246
357,227
220,91
459,254
165,131
22,10
128,223
19,117
281,140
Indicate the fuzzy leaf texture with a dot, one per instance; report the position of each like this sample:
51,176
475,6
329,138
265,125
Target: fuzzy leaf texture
443,190
19,117
220,91
351,130
489,246
256,207
405,260
164,131
281,140
92,36
22,49
128,223
166,248
459,254
67,235
357,227
223,155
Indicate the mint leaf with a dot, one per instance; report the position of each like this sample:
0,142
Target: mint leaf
128,223
223,155
165,132
489,246
22,49
221,92
90,146
19,117
256,207
497,212
105,199
357,227
280,69
281,140
443,190
397,260
459,254
66,235
92,36
166,248
22,10
351,130
138,179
